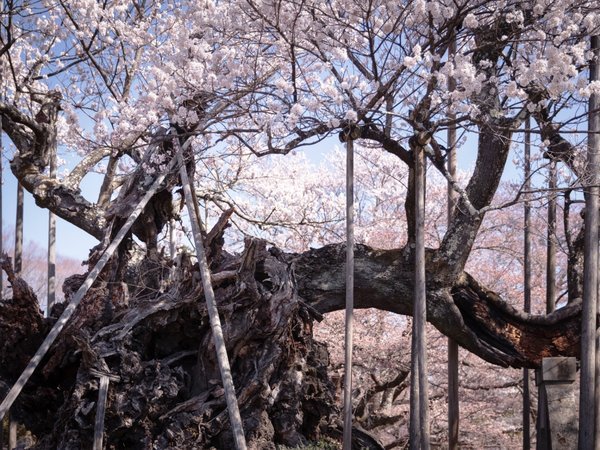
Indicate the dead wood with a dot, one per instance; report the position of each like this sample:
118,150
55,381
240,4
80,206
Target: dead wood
169,394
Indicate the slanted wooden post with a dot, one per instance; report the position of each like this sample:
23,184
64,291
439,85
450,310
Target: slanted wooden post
172,239
213,313
349,137
91,277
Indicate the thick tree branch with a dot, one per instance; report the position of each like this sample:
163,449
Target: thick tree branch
85,165
478,319
33,140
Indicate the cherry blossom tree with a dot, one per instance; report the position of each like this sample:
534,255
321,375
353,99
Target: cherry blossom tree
114,83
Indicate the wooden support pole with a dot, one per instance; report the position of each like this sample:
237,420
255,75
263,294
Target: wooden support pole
527,278
100,412
588,396
12,424
19,230
91,277
594,153
12,432
453,402
349,293
419,408
172,239
1,225
551,241
213,313
51,293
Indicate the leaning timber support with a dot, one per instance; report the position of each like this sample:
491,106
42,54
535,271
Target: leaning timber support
213,313
91,277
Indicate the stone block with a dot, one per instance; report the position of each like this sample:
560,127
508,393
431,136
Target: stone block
559,369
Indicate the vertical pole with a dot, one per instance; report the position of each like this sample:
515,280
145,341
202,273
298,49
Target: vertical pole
213,313
594,152
551,241
12,432
414,425
590,270
19,231
453,402
100,412
543,425
419,426
1,194
51,244
12,424
1,225
1,218
527,279
172,239
349,292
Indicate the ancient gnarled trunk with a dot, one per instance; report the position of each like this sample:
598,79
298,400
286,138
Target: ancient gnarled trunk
169,393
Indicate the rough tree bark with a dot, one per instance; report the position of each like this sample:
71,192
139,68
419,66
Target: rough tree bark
170,395
280,371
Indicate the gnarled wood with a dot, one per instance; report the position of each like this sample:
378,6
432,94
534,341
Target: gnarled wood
280,373
478,319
